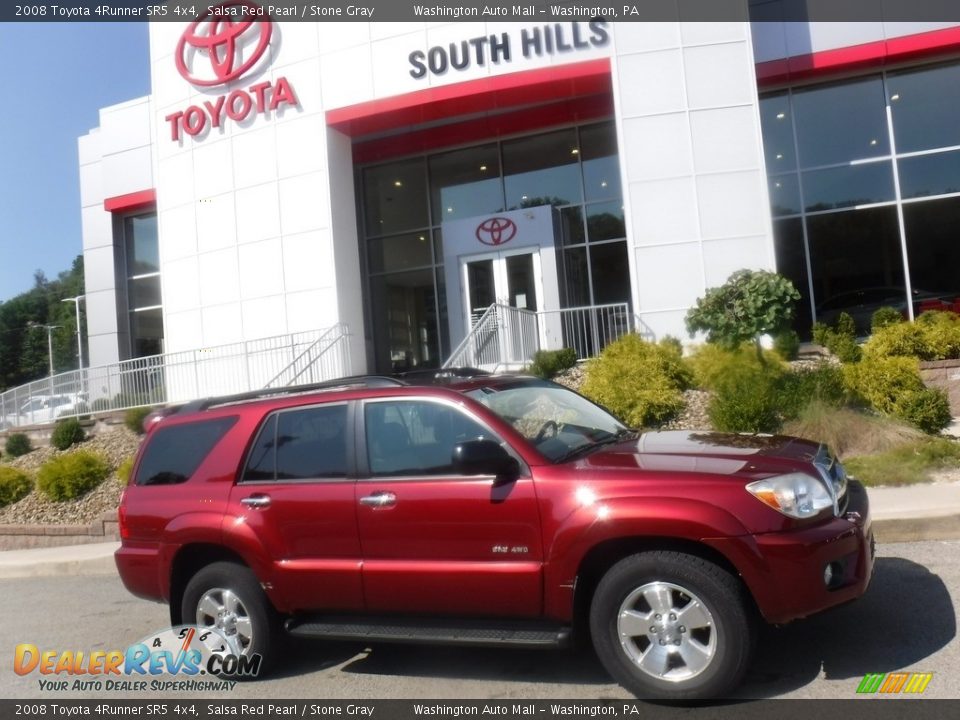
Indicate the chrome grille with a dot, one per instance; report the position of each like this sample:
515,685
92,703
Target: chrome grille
835,476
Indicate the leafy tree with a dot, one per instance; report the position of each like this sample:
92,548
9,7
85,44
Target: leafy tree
750,304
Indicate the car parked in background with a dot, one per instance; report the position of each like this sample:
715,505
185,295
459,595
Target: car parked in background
862,304
42,409
488,510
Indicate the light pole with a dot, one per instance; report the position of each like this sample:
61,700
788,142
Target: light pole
76,304
50,329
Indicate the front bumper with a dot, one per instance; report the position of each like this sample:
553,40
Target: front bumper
785,571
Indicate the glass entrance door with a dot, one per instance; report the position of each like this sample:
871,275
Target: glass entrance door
506,277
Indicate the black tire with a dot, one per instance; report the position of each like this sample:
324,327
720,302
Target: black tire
718,643
211,582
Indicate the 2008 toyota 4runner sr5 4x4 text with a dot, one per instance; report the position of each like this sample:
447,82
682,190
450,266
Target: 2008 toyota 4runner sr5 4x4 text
488,510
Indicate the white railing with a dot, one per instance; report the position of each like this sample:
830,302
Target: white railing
505,337
588,330
300,358
324,359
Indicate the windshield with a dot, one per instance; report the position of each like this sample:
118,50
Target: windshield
557,421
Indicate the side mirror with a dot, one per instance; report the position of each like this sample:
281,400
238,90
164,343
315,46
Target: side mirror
484,457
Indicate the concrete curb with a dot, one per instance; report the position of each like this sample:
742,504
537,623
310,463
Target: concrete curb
69,560
897,530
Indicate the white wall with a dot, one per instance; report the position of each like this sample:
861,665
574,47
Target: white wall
115,159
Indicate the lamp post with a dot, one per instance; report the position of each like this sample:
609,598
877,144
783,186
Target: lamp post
76,304
50,329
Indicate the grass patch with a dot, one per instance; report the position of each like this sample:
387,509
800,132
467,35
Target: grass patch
849,432
905,465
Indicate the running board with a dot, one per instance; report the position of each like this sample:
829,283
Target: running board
500,633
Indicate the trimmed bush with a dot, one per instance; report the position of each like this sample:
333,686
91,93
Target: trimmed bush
18,444
14,485
124,470
547,364
846,325
66,433
134,418
934,336
639,381
840,341
787,345
885,317
927,409
711,363
822,384
745,399
69,476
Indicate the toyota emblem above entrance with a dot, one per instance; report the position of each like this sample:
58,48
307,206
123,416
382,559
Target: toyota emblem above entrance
496,231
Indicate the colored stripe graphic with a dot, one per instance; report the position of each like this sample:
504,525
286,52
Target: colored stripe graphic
918,682
898,682
870,683
894,682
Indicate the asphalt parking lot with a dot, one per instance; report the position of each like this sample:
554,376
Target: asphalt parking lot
907,621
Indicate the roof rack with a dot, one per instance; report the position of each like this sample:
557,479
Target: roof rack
367,381
436,377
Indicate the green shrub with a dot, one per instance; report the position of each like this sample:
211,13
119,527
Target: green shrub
885,317
18,444
124,470
840,341
787,344
69,476
134,417
927,409
66,433
745,399
822,384
880,381
101,404
639,381
941,330
711,363
907,464
14,485
900,340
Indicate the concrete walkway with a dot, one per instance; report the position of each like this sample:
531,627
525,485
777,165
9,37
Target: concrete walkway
900,514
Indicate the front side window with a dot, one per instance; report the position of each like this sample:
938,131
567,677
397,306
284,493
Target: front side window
416,437
302,444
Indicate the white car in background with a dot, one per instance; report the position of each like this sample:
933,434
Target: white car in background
41,409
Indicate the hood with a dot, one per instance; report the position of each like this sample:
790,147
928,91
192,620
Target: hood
706,452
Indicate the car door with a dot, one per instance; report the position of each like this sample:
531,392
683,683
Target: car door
434,541
295,497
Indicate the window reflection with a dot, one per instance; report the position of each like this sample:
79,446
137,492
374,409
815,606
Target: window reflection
848,186
405,321
777,127
542,170
465,183
932,248
785,194
395,197
839,123
928,175
792,264
601,164
925,105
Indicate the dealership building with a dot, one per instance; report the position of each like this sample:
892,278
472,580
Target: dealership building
399,178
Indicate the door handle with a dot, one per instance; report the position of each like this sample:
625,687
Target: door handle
379,499
256,501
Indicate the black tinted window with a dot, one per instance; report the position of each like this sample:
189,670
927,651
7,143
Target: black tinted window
174,453
300,445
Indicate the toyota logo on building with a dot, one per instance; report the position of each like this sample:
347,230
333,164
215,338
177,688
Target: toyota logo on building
223,43
496,231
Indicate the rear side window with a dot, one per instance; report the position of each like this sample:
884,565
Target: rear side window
174,453
303,444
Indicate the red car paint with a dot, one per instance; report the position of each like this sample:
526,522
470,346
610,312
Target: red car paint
466,546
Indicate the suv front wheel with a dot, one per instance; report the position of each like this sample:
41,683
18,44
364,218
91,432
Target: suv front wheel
227,597
671,626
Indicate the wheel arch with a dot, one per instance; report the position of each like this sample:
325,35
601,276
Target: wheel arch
603,556
188,561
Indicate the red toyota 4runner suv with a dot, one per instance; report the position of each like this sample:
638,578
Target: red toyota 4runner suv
488,510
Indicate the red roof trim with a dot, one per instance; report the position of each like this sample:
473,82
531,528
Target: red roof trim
140,200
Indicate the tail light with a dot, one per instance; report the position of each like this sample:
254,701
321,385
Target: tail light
122,517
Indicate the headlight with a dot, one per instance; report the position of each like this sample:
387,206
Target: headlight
796,495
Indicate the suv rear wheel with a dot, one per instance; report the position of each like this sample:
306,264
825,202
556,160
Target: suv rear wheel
227,597
671,626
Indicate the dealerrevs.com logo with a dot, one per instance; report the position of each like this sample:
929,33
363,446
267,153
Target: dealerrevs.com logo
227,42
184,658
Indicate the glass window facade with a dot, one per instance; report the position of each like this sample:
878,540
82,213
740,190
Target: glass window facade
144,301
406,202
864,179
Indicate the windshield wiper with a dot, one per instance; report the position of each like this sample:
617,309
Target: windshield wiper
619,436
